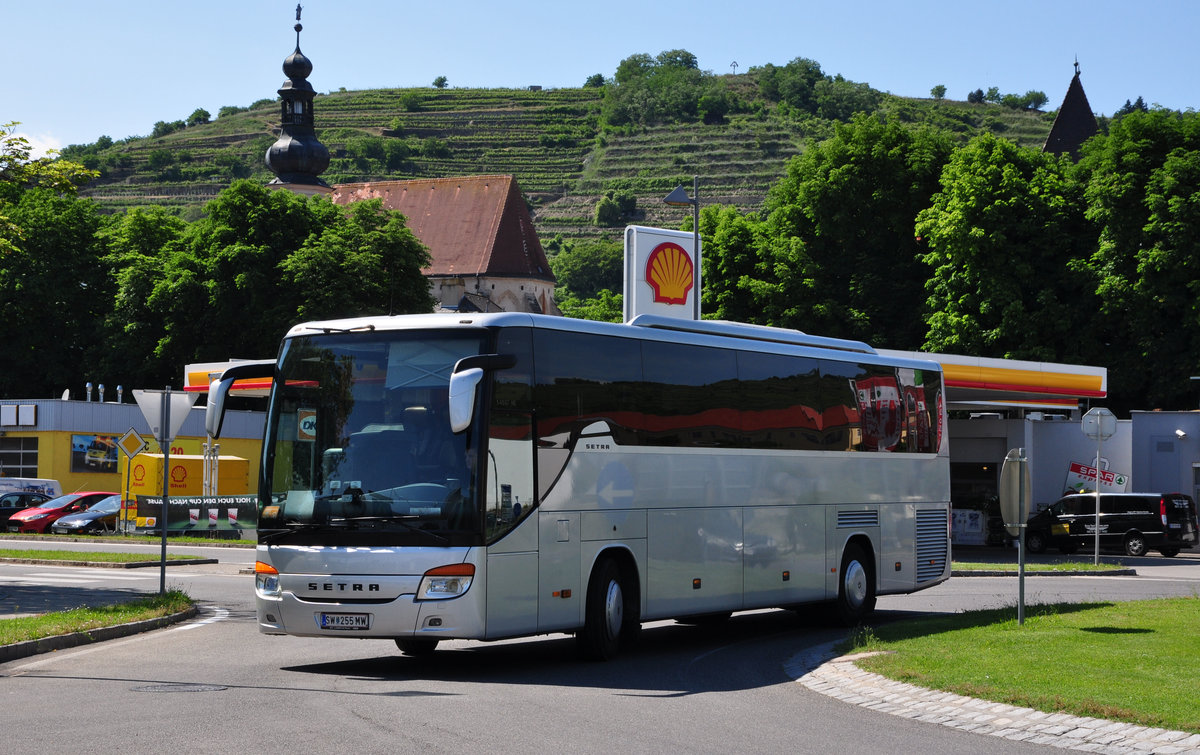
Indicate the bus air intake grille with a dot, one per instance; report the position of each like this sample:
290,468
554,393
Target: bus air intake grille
932,544
857,519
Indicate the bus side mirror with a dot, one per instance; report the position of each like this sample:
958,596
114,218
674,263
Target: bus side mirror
465,378
462,397
218,391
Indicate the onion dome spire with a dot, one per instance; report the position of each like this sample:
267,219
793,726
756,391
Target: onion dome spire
297,158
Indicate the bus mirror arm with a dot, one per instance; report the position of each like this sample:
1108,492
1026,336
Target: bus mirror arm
486,362
218,391
468,373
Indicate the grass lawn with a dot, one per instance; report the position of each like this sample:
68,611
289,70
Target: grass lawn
1064,567
25,628
118,538
1131,661
100,556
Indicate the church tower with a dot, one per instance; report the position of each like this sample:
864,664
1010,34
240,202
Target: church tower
1074,124
297,159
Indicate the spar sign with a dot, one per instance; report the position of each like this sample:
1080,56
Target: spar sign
662,273
1082,478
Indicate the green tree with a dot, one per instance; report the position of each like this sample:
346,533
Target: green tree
19,170
260,257
733,265
607,212
1142,194
441,82
663,89
367,263
793,84
585,268
162,128
839,99
54,292
138,244
198,116
838,253
595,81
1035,100
938,92
604,307
159,159
1007,243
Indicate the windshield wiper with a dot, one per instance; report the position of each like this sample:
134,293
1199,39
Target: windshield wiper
394,519
287,528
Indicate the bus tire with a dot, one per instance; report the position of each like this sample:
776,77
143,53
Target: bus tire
610,616
856,586
416,646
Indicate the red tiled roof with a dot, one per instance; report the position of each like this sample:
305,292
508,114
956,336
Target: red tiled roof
475,225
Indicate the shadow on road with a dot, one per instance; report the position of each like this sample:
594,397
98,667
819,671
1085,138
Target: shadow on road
24,599
668,660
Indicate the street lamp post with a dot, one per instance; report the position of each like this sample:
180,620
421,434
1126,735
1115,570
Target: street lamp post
679,198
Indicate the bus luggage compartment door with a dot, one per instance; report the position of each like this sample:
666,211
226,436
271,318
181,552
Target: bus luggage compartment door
560,591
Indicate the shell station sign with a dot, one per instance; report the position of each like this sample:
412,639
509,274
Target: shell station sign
662,273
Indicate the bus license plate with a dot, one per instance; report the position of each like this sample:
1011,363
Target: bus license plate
345,620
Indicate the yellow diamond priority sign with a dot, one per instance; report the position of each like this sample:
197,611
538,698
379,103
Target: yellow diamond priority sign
131,443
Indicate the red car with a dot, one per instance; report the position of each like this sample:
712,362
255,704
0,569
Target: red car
39,518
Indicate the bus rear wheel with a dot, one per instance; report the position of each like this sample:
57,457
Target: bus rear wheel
416,646
610,616
856,586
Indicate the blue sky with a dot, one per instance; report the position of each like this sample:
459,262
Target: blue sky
71,71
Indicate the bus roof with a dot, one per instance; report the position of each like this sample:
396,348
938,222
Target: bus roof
647,327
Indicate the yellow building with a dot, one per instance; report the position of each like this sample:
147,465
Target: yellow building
79,443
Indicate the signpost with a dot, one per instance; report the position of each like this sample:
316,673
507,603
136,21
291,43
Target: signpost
1099,424
164,412
1015,495
132,444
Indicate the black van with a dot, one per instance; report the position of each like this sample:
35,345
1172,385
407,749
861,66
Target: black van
1134,522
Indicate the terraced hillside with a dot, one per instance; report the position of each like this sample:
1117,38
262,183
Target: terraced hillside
551,141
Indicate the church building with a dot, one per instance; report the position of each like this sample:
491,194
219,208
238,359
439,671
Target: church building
486,256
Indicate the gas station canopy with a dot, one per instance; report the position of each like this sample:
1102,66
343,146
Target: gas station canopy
971,382
977,382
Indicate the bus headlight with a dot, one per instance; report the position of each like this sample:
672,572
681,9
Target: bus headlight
266,580
445,582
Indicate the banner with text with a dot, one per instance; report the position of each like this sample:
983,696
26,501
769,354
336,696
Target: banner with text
200,513
1081,478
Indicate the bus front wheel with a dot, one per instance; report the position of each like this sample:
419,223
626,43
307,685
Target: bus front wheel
610,616
856,586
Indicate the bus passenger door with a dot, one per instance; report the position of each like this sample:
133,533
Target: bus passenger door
512,560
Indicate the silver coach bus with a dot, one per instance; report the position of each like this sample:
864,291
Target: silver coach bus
485,476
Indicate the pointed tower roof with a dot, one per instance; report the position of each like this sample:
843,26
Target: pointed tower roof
297,158
1075,122
473,225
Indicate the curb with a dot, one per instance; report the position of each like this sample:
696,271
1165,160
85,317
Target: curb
839,678
117,539
75,639
1121,572
109,564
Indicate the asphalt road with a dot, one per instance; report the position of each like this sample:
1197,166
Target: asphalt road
216,685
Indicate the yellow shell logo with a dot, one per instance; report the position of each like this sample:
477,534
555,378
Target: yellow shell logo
669,273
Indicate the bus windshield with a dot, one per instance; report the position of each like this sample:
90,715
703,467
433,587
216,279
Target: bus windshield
359,447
